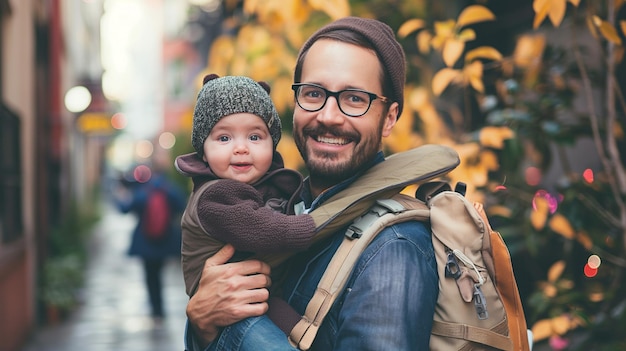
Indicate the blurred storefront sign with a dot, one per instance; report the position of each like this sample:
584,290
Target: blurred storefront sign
95,123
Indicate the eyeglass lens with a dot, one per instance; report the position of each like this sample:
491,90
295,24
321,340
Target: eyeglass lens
351,102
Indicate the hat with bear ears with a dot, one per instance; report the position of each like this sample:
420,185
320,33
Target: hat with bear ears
224,96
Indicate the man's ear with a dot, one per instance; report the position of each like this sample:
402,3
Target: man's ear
390,119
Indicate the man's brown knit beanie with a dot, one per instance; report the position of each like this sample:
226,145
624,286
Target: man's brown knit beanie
384,43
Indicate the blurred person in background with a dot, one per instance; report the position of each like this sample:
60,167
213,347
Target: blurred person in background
157,203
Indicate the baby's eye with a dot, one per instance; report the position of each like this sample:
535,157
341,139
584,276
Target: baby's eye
223,138
255,137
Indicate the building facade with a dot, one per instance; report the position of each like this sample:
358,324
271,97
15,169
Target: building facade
36,138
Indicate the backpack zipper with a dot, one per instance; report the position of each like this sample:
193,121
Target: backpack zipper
452,270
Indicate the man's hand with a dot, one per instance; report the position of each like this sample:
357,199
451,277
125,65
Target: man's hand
228,293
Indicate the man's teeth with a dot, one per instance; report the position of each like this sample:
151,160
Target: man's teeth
337,141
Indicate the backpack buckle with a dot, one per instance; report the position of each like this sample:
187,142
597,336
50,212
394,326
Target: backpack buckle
452,269
379,209
480,303
354,232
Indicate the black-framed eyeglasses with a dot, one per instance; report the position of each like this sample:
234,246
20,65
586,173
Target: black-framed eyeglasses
352,102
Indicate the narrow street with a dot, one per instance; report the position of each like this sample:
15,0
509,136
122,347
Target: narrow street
114,314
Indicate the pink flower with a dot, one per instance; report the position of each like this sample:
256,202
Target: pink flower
558,343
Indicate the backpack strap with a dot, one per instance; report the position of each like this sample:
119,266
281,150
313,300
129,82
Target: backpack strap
415,166
471,333
384,213
509,293
382,181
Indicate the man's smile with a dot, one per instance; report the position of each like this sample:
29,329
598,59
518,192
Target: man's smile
332,140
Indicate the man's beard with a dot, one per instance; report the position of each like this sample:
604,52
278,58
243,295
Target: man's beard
324,168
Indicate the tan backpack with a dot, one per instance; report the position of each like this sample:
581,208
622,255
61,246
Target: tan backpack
478,307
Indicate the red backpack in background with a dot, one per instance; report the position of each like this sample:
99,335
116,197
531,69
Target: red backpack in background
156,215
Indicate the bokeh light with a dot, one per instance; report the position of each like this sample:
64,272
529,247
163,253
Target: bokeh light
120,154
588,175
144,149
167,140
77,99
142,173
553,202
558,343
118,121
590,272
594,261
533,176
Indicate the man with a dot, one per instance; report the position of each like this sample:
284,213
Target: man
349,82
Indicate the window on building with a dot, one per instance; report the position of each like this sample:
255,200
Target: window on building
10,176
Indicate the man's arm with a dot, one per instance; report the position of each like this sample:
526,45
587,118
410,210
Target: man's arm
227,293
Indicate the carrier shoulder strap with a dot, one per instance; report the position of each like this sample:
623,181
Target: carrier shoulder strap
360,233
415,166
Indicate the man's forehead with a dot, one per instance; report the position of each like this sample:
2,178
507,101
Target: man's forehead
337,65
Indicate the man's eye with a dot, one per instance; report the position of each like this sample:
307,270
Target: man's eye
356,97
313,93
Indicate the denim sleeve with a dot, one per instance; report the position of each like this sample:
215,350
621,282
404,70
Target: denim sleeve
249,334
191,342
390,300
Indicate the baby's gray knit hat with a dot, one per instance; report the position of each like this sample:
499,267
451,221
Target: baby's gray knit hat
221,97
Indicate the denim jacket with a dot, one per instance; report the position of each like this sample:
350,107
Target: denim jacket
389,301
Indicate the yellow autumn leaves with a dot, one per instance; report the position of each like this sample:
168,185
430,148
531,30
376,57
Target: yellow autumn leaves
284,11
555,10
450,38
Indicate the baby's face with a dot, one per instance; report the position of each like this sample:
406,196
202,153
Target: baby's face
239,147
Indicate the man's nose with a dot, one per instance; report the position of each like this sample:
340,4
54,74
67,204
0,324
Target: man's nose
331,113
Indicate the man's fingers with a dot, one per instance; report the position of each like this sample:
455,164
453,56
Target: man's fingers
235,276
255,282
250,267
251,309
247,267
221,257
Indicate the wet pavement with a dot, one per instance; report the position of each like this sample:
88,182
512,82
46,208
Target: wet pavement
115,314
